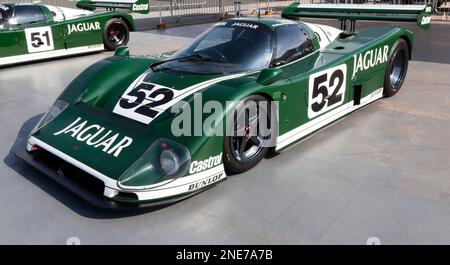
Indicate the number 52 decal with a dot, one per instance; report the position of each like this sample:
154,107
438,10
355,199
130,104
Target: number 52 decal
326,90
144,101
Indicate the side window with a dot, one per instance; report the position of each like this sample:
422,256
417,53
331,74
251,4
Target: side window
292,42
28,15
2,18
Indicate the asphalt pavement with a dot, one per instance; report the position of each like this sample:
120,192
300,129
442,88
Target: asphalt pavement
382,172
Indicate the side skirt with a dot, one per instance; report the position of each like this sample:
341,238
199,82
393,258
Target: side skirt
49,54
306,129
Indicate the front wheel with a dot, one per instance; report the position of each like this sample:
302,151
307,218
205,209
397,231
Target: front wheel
396,68
115,33
248,137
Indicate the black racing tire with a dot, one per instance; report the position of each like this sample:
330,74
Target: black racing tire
396,68
115,34
234,161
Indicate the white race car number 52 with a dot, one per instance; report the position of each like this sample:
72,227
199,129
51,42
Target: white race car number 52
39,39
326,90
144,101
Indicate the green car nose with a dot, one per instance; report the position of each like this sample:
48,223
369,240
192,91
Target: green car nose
165,160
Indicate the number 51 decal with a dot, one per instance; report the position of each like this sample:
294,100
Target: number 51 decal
39,39
326,90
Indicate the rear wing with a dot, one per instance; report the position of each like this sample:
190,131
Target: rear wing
138,6
421,14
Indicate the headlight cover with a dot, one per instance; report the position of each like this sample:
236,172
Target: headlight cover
164,161
52,113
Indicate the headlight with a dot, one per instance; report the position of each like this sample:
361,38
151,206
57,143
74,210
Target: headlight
52,113
170,162
165,160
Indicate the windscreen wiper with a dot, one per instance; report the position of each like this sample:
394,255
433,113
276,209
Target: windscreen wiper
28,23
154,65
192,57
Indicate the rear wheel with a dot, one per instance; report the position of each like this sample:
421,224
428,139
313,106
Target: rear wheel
115,33
249,141
396,69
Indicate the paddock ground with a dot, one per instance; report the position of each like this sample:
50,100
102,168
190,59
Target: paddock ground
382,172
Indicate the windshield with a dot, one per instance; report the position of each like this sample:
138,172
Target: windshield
227,47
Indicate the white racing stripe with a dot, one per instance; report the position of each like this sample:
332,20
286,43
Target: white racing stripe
185,92
185,184
49,54
321,121
326,33
178,95
64,13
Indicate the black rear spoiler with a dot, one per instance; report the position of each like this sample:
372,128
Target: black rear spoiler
138,6
421,14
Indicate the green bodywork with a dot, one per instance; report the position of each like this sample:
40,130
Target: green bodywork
94,93
65,34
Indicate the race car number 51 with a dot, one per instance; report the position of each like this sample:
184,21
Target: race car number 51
39,39
326,90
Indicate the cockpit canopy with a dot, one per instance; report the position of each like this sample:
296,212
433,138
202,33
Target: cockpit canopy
5,11
13,15
240,46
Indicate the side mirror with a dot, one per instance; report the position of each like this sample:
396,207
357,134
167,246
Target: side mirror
122,51
269,76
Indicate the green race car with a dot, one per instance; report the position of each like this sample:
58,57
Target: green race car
30,32
137,131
